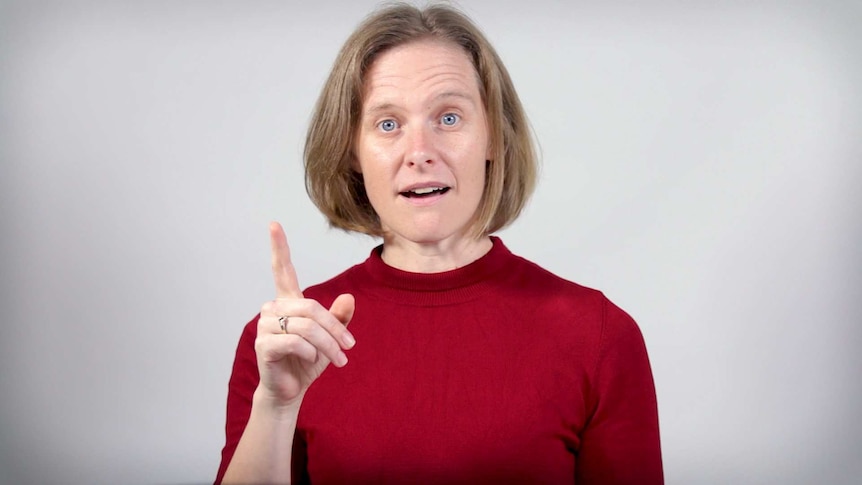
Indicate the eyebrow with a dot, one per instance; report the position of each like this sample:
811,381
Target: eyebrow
388,106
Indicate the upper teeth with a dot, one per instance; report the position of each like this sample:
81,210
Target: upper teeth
426,190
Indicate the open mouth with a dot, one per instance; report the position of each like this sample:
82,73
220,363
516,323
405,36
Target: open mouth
425,192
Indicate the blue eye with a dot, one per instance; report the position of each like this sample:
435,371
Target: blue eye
388,125
449,119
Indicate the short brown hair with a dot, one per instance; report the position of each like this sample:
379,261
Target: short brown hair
339,191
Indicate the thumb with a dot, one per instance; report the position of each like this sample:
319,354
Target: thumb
342,308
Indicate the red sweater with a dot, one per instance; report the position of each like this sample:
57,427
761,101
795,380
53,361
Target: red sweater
497,372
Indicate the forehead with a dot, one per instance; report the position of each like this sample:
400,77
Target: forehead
428,64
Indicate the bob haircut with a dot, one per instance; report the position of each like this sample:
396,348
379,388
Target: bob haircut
330,179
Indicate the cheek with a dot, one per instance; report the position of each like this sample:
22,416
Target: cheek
360,162
480,167
479,179
373,155
375,178
373,184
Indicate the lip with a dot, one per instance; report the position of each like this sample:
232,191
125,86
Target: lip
427,200
423,185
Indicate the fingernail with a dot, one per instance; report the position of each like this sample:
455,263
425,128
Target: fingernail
342,359
348,339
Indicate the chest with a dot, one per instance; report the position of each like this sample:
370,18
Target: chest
451,393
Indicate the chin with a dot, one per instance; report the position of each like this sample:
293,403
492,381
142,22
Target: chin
427,234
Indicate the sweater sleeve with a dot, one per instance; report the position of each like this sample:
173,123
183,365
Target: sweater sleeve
620,443
243,381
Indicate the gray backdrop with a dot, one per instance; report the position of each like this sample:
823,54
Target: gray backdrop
701,166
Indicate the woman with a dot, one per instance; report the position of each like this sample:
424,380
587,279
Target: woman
467,364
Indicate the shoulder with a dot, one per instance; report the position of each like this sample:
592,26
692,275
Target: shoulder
536,281
344,282
573,302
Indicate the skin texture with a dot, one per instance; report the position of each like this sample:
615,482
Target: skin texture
423,123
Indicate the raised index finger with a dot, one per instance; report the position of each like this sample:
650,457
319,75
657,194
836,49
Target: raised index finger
283,273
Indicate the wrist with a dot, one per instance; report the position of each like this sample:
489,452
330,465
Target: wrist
265,403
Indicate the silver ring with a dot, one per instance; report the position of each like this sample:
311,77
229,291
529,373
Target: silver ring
282,322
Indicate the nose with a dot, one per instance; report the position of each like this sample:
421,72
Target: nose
420,147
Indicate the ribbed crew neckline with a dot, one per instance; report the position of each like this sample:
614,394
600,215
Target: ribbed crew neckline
448,287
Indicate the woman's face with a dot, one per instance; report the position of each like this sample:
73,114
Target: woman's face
422,142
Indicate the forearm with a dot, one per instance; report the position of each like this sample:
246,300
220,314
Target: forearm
263,454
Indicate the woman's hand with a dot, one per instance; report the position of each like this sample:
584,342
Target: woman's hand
289,359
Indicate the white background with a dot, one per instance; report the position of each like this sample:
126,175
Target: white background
701,165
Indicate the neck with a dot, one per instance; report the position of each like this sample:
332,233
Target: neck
435,257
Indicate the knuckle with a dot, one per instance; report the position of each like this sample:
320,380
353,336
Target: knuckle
307,306
260,344
296,345
267,307
316,311
289,343
262,324
293,343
